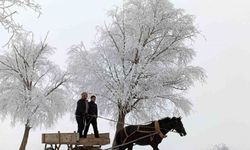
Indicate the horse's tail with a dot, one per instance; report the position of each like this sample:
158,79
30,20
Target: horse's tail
117,141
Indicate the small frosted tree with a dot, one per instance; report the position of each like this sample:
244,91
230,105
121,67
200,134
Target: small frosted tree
7,10
220,147
32,88
140,64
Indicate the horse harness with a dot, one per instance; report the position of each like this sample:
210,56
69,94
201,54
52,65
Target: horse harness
156,130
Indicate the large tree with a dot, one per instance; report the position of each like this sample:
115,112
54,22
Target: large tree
32,88
140,64
10,7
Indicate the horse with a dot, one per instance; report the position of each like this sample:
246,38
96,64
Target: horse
150,134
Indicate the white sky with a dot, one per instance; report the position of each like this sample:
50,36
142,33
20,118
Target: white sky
221,105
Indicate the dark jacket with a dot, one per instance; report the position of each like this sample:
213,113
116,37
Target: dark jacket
81,108
93,111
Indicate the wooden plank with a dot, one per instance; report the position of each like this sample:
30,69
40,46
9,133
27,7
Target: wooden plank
73,138
101,135
60,138
91,140
94,141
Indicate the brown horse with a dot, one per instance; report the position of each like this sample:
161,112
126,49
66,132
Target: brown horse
151,134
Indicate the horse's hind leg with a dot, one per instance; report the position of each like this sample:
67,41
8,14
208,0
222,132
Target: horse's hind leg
120,148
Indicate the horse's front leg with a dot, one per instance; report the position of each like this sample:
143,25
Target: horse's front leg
130,147
155,147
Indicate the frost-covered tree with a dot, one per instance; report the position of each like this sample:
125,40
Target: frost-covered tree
10,7
32,88
220,147
140,64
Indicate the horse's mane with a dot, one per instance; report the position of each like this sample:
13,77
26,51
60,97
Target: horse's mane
165,119
162,119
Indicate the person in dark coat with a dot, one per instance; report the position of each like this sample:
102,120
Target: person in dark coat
81,113
92,117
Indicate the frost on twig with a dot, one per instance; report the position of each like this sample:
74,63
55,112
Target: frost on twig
8,8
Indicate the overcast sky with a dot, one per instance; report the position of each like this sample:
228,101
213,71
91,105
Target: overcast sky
221,104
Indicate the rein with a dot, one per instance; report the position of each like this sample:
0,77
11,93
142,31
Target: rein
117,146
157,130
108,119
153,133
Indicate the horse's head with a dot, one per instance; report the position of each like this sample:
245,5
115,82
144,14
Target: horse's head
178,126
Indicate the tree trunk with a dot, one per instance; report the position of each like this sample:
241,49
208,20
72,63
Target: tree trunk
25,137
119,125
121,121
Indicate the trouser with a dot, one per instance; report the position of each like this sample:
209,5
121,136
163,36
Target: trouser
81,123
93,121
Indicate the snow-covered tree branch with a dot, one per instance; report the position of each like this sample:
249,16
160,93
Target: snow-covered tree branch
31,86
140,64
10,7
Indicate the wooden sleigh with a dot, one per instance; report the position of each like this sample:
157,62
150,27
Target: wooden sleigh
53,141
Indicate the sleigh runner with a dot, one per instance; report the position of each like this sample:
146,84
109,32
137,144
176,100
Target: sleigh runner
53,141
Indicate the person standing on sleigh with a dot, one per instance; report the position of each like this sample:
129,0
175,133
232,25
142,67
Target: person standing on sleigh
92,117
81,113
